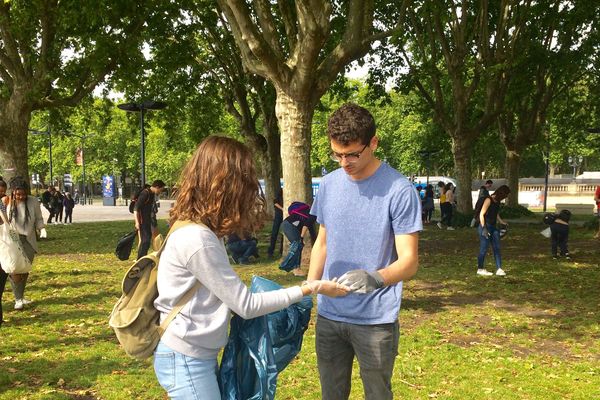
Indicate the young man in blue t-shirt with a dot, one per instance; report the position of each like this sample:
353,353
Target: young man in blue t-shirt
369,216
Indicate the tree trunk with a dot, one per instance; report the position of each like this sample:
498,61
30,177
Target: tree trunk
512,166
461,150
273,161
13,139
295,118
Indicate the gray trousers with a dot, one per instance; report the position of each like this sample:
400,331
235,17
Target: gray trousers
375,347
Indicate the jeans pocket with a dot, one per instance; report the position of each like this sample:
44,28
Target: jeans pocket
164,367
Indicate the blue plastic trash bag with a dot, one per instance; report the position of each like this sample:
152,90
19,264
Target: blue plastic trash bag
293,258
259,348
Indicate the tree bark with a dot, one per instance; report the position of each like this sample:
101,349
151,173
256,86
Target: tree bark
512,167
461,150
295,118
273,162
13,137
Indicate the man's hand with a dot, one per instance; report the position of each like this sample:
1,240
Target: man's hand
328,288
361,281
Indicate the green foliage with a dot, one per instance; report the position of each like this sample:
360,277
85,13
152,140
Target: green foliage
517,211
591,223
461,220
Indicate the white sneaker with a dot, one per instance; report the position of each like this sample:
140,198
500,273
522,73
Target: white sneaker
450,228
484,272
439,225
500,272
18,304
26,301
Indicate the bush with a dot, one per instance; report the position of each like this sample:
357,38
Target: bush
460,220
515,211
591,223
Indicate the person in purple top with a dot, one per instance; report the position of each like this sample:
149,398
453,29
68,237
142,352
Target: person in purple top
369,219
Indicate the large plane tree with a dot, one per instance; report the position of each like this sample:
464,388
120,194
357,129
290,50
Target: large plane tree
53,54
300,47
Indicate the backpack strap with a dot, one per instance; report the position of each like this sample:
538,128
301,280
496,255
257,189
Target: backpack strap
188,295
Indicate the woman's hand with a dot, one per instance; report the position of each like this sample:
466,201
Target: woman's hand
328,288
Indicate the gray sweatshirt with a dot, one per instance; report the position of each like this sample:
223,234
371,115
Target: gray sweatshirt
195,253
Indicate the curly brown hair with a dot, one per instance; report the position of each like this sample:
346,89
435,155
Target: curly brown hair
351,123
219,188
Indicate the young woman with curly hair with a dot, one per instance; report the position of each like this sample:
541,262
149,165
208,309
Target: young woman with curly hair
219,192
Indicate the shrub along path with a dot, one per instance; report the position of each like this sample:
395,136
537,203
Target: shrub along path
533,334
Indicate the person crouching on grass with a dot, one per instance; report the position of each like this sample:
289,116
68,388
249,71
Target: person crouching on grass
559,234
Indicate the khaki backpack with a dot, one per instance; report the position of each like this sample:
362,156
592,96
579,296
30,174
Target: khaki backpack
134,318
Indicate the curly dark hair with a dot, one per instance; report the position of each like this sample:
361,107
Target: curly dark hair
351,123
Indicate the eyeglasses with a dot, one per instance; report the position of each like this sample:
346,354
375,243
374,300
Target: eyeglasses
350,157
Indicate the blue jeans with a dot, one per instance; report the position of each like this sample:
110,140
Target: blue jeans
185,377
484,243
277,220
242,250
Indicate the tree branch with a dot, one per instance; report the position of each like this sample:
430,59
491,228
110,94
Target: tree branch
289,23
48,35
256,53
10,44
267,26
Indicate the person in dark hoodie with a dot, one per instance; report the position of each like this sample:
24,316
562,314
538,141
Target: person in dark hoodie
559,235
69,204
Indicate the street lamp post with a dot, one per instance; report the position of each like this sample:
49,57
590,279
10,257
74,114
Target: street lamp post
46,132
82,137
141,107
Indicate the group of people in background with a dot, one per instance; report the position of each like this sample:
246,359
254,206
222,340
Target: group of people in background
60,206
295,227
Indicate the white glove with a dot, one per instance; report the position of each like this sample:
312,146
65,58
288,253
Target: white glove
361,281
43,233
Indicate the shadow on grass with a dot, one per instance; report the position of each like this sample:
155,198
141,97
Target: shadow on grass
551,293
76,372
65,339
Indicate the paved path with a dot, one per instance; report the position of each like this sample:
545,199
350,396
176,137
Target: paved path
98,212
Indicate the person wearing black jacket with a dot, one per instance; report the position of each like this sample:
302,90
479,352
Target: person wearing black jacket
142,213
48,202
58,206
560,235
69,204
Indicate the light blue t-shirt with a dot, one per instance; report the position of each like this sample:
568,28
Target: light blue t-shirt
361,219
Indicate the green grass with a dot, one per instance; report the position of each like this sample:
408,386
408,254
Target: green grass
531,335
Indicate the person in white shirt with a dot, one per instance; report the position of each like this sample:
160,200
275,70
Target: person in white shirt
25,212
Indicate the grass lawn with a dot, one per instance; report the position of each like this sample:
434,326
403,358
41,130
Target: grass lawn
534,334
